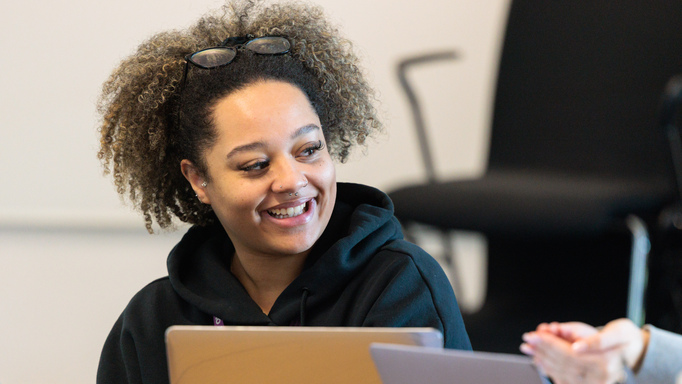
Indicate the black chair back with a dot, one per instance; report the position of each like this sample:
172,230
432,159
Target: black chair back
579,87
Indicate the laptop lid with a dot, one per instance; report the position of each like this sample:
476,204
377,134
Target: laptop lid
200,354
408,365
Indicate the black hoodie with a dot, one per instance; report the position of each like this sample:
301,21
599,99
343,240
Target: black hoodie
360,273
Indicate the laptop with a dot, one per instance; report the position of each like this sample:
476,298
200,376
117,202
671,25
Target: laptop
398,364
245,355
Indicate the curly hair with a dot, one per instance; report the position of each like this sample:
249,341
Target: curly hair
149,124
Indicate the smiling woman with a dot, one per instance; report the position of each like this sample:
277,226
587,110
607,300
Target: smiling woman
232,126
271,183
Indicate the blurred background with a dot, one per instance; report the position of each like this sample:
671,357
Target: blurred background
549,241
72,254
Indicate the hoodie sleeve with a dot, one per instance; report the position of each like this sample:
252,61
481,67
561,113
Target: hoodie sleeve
118,362
416,293
135,350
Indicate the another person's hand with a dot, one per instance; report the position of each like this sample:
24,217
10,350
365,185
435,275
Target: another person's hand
578,353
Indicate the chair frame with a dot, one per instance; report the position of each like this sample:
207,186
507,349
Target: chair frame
639,234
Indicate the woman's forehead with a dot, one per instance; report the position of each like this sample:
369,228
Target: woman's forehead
263,110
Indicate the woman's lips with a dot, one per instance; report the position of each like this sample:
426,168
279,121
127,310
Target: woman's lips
291,214
284,213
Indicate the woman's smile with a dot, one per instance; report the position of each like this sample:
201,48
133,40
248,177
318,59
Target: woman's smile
289,215
288,210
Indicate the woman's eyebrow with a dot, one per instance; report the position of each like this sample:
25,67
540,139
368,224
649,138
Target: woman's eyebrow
304,129
246,148
259,144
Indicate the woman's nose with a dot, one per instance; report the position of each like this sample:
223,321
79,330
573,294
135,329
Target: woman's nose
289,177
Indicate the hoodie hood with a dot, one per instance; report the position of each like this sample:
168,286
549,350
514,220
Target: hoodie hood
361,224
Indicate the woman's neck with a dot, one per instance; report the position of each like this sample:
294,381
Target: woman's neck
266,276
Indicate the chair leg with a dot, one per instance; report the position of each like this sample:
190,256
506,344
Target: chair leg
449,259
638,269
407,234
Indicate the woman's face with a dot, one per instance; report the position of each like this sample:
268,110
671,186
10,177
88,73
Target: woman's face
271,182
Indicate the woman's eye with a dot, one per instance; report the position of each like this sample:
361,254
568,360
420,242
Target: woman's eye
256,166
312,149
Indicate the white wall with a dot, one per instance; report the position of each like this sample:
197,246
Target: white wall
72,255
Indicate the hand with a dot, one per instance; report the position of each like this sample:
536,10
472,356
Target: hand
556,357
620,334
576,352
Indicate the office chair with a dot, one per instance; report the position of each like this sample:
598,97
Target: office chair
577,170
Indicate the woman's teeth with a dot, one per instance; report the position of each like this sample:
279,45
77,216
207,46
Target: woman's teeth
287,212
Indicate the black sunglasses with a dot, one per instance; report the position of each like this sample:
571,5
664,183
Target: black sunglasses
225,53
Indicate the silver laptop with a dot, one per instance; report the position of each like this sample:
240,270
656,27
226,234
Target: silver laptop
245,355
398,364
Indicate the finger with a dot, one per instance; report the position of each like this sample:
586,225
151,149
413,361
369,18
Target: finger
527,349
533,338
552,353
552,327
542,327
549,367
573,331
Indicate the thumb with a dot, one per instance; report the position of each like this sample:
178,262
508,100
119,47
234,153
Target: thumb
592,343
615,334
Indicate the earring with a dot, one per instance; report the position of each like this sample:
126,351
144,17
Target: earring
290,194
306,184
204,184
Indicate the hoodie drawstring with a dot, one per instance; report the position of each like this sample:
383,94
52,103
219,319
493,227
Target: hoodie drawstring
304,299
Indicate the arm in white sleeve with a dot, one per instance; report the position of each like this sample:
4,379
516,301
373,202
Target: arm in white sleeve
663,359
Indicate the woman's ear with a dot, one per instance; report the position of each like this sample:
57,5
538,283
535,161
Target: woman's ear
196,180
